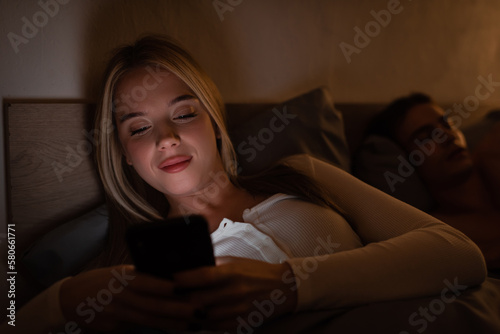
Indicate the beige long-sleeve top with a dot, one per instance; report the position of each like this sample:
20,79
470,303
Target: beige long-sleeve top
407,252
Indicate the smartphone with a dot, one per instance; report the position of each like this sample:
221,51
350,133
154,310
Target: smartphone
173,245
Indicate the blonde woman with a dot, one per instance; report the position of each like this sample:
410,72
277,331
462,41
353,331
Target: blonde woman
164,151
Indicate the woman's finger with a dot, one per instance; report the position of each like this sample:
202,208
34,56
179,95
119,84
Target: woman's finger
149,284
137,317
158,305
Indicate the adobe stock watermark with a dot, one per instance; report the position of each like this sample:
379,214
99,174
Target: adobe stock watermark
31,27
483,91
88,309
426,147
139,93
76,155
125,102
218,181
372,29
250,147
265,309
223,6
429,313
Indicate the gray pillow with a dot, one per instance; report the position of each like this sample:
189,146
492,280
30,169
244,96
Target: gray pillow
67,248
308,123
383,164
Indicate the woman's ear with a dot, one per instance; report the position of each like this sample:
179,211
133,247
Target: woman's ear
127,159
125,155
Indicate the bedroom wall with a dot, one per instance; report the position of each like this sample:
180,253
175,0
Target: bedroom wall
259,50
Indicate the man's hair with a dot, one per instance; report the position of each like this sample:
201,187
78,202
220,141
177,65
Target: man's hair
386,123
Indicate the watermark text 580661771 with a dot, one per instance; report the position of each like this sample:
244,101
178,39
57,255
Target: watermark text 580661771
11,274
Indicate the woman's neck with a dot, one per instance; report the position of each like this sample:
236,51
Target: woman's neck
217,200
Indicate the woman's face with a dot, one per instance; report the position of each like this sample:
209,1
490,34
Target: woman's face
165,132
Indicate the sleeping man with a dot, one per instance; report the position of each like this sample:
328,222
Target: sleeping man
465,185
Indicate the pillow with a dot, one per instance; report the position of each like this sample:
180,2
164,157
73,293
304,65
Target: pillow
383,164
67,248
308,123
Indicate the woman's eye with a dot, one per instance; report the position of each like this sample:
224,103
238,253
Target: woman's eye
139,131
186,116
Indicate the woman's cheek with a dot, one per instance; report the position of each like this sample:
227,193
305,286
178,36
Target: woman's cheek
137,149
132,150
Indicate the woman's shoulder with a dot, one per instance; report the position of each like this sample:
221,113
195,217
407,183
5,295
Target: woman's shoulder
268,201
313,167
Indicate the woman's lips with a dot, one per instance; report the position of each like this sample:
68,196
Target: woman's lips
175,164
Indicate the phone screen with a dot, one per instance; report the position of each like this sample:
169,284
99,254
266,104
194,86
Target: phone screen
166,247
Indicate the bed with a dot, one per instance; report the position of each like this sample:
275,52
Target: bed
57,205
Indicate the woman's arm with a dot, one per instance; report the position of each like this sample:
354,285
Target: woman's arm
42,314
407,254
105,299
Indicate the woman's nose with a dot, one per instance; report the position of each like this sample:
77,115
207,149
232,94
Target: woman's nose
167,137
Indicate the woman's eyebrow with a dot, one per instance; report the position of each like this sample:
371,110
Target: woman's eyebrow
125,117
181,98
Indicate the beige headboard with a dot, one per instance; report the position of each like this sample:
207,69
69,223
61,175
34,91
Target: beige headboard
50,173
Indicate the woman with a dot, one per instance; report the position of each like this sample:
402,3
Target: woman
169,154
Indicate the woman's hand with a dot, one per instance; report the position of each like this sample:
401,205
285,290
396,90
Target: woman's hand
239,293
112,298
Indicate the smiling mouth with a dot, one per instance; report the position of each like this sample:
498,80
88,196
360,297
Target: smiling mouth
175,164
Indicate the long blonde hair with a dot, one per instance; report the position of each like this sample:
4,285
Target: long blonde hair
157,52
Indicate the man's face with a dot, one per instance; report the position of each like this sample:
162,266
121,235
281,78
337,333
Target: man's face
446,160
